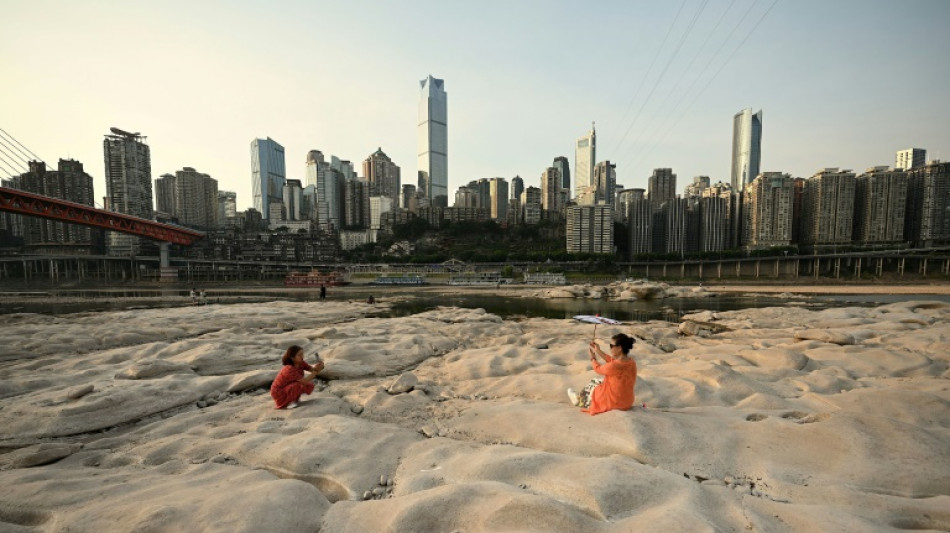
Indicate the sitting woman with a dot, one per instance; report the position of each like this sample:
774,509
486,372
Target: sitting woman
291,382
615,389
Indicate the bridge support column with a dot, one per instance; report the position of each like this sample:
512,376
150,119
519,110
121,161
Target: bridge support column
165,271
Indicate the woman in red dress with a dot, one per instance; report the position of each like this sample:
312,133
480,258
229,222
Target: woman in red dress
291,382
619,371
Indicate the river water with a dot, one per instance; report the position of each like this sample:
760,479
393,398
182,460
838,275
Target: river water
403,302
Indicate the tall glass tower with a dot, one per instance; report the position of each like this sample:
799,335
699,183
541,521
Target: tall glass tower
585,155
564,168
433,142
746,147
267,174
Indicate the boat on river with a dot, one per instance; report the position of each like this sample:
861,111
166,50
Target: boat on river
315,278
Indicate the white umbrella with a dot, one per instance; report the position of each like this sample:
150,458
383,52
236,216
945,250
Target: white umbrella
595,320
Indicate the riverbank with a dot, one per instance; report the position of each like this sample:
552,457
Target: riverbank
915,288
455,419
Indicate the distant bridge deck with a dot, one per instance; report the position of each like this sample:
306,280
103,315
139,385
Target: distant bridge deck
30,204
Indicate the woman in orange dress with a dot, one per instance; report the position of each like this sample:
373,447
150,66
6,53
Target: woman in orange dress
291,382
619,371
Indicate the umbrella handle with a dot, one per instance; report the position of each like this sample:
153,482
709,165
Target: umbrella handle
595,332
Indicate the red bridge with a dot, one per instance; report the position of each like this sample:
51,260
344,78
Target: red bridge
25,203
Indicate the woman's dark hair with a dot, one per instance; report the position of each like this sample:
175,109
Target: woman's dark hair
625,342
288,358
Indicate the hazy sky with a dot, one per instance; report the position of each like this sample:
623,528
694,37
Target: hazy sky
842,83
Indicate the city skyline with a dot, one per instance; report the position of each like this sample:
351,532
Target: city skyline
848,103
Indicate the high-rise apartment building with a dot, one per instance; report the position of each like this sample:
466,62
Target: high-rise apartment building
433,142
268,172
880,202
585,154
69,182
293,200
466,196
768,207
928,205
727,207
190,196
551,193
639,221
517,187
378,206
328,178
674,215
590,229
695,189
128,167
714,223
605,182
564,167
661,187
531,205
408,198
828,208
356,204
498,189
382,175
910,158
227,208
746,147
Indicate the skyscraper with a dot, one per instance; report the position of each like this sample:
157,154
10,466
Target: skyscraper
605,182
551,193
517,187
828,205
584,156
880,203
768,205
590,229
433,145
189,196
564,167
293,200
910,158
498,189
746,147
661,187
70,182
328,178
928,204
382,175
267,174
128,166
227,207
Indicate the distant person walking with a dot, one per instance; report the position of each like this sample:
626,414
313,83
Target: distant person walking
323,291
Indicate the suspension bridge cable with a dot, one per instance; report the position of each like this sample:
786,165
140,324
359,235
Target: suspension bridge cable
635,152
649,71
669,94
15,173
666,68
715,75
36,157
13,154
14,151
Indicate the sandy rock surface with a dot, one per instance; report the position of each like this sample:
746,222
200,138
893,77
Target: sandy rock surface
779,419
